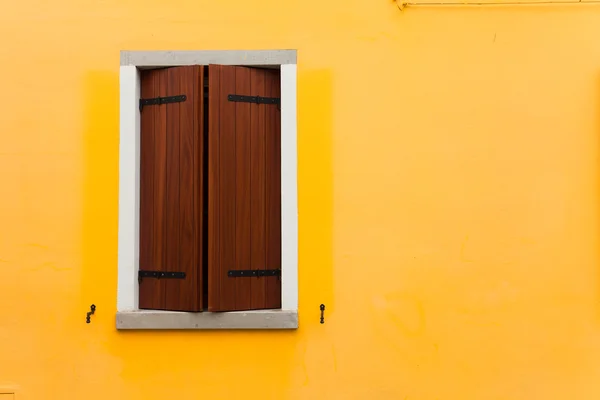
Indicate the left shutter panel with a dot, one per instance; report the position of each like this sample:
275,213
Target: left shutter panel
171,179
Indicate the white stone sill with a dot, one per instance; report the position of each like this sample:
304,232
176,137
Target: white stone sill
260,319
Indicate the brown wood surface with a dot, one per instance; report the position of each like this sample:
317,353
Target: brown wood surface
273,190
171,191
150,295
243,296
227,186
244,190
214,189
172,246
258,193
160,190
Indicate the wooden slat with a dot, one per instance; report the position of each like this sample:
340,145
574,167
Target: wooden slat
243,295
190,186
160,186
227,186
273,190
150,296
258,245
185,295
172,252
214,221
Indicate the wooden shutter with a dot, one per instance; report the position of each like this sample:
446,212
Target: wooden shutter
171,189
244,195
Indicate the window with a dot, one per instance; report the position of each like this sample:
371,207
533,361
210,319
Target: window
207,203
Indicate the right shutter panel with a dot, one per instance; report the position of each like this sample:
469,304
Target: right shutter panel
171,189
244,196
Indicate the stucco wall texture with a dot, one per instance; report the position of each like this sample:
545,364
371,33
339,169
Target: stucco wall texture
448,203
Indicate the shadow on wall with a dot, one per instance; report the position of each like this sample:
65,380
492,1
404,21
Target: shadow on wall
100,193
315,195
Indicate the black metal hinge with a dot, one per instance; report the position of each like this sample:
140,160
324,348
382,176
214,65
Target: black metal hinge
254,99
160,275
249,273
162,100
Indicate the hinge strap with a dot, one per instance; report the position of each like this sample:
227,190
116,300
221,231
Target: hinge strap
160,275
254,99
249,273
162,100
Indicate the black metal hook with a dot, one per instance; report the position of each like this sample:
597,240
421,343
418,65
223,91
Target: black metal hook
89,313
322,308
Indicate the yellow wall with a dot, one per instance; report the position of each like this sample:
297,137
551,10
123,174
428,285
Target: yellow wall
449,189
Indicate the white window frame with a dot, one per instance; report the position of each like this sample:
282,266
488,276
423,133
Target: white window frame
129,316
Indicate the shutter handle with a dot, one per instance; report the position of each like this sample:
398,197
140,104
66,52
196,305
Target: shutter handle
89,313
322,308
